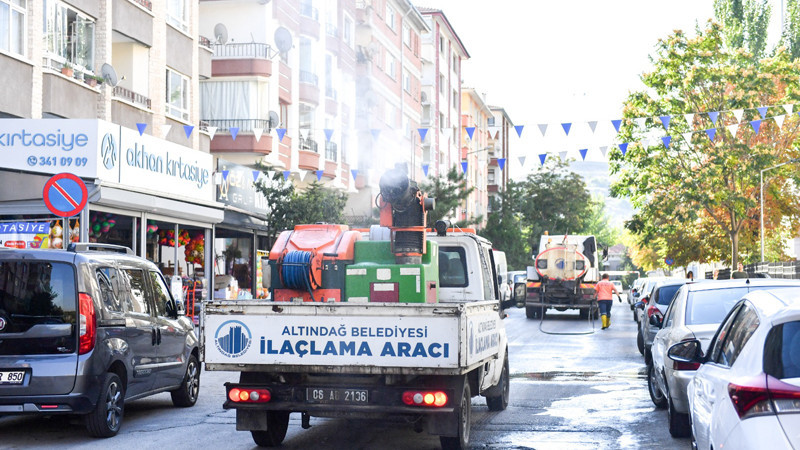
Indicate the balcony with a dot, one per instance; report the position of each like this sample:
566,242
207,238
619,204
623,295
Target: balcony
331,101
307,155
240,59
284,83
146,4
308,90
330,169
309,20
308,145
245,141
131,97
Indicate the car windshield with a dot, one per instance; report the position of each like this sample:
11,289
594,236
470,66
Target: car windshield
666,293
782,351
710,306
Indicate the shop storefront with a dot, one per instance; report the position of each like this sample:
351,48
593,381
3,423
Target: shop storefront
145,193
240,241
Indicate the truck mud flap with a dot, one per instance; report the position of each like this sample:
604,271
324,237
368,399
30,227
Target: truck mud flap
251,419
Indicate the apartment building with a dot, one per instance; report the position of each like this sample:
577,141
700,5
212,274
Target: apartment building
500,129
442,54
475,154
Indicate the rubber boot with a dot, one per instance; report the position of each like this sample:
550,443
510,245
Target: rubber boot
604,321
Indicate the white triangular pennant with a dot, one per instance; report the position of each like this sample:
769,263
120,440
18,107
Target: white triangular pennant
732,129
258,132
688,137
640,122
270,174
211,132
522,161
562,155
788,108
593,125
301,174
604,150
689,119
304,133
779,120
738,113
165,131
645,143
543,128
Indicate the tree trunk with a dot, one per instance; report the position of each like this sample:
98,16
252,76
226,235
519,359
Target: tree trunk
734,250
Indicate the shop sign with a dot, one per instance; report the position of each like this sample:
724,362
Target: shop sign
238,188
47,234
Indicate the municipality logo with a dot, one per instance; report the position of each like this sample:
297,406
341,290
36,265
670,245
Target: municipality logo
233,338
108,151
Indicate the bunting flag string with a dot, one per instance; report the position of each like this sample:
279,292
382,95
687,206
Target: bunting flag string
566,127
187,129
165,131
592,125
502,163
141,127
257,132
518,128
355,173
234,132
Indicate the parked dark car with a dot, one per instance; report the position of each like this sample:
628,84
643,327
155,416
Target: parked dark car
657,303
84,331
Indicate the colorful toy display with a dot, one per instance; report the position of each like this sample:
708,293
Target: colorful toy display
167,238
100,223
195,249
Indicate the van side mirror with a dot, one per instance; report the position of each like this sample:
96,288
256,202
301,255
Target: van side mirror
520,291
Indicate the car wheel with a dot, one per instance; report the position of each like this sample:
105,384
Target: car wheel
277,424
464,412
655,393
530,312
648,355
640,342
583,314
679,425
105,419
186,394
500,402
634,316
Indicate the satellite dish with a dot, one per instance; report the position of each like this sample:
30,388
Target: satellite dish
274,120
283,40
221,33
109,75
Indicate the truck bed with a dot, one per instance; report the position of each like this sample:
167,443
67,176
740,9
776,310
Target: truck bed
350,338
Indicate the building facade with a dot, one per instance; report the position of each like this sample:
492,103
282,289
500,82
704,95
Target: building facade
500,129
475,155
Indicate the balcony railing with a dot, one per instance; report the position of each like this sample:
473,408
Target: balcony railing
146,4
309,145
204,41
308,78
331,151
241,124
243,50
331,30
331,93
308,10
133,97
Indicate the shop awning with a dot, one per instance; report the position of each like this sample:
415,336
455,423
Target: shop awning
136,201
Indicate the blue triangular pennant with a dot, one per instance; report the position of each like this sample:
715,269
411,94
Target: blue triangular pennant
616,124
566,127
225,175
713,116
328,134
665,121
519,130
354,172
623,148
319,175
286,174
281,133
711,132
583,153
542,157
422,133
375,133
470,131
502,163
763,112
756,124
234,132
464,166
666,140
142,126
425,169
188,130
256,173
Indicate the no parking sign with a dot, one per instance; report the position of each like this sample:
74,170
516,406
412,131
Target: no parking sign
65,194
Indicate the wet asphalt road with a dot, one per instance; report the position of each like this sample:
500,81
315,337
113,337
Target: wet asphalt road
567,392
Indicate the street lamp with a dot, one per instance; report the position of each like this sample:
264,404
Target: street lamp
762,199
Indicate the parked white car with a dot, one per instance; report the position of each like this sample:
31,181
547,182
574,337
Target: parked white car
746,393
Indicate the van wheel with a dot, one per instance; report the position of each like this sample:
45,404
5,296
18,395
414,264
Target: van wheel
277,424
186,394
464,412
106,418
500,402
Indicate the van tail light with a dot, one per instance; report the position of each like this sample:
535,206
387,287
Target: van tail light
88,324
247,395
652,309
678,365
434,399
764,395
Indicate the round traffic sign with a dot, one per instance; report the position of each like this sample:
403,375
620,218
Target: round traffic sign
65,194
669,261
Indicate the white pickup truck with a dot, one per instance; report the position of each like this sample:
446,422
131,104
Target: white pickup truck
423,361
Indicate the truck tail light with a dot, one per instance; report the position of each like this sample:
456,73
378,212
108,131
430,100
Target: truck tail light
764,395
434,399
240,395
88,328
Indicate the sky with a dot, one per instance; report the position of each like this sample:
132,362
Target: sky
559,62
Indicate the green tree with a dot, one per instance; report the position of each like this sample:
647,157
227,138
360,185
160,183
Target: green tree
450,191
692,195
744,24
599,225
279,194
504,228
790,37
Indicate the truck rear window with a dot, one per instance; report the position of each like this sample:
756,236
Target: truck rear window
37,293
452,267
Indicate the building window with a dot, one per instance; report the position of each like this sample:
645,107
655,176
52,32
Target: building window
407,35
441,121
347,31
455,99
441,84
455,62
177,95
284,113
490,177
178,14
390,66
389,113
490,121
390,16
441,44
68,36
406,81
12,26
306,116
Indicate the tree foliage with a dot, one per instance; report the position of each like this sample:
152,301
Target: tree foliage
790,37
744,24
693,197
504,228
450,191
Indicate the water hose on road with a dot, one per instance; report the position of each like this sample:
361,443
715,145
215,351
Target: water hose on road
592,308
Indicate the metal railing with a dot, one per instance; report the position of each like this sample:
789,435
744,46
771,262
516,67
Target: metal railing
133,97
331,93
204,41
242,50
331,30
307,9
309,145
147,4
242,124
308,77
331,151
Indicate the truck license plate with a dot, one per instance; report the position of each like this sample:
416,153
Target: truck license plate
337,395
15,377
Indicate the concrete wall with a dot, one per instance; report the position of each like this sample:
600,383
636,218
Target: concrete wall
180,49
16,75
65,98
